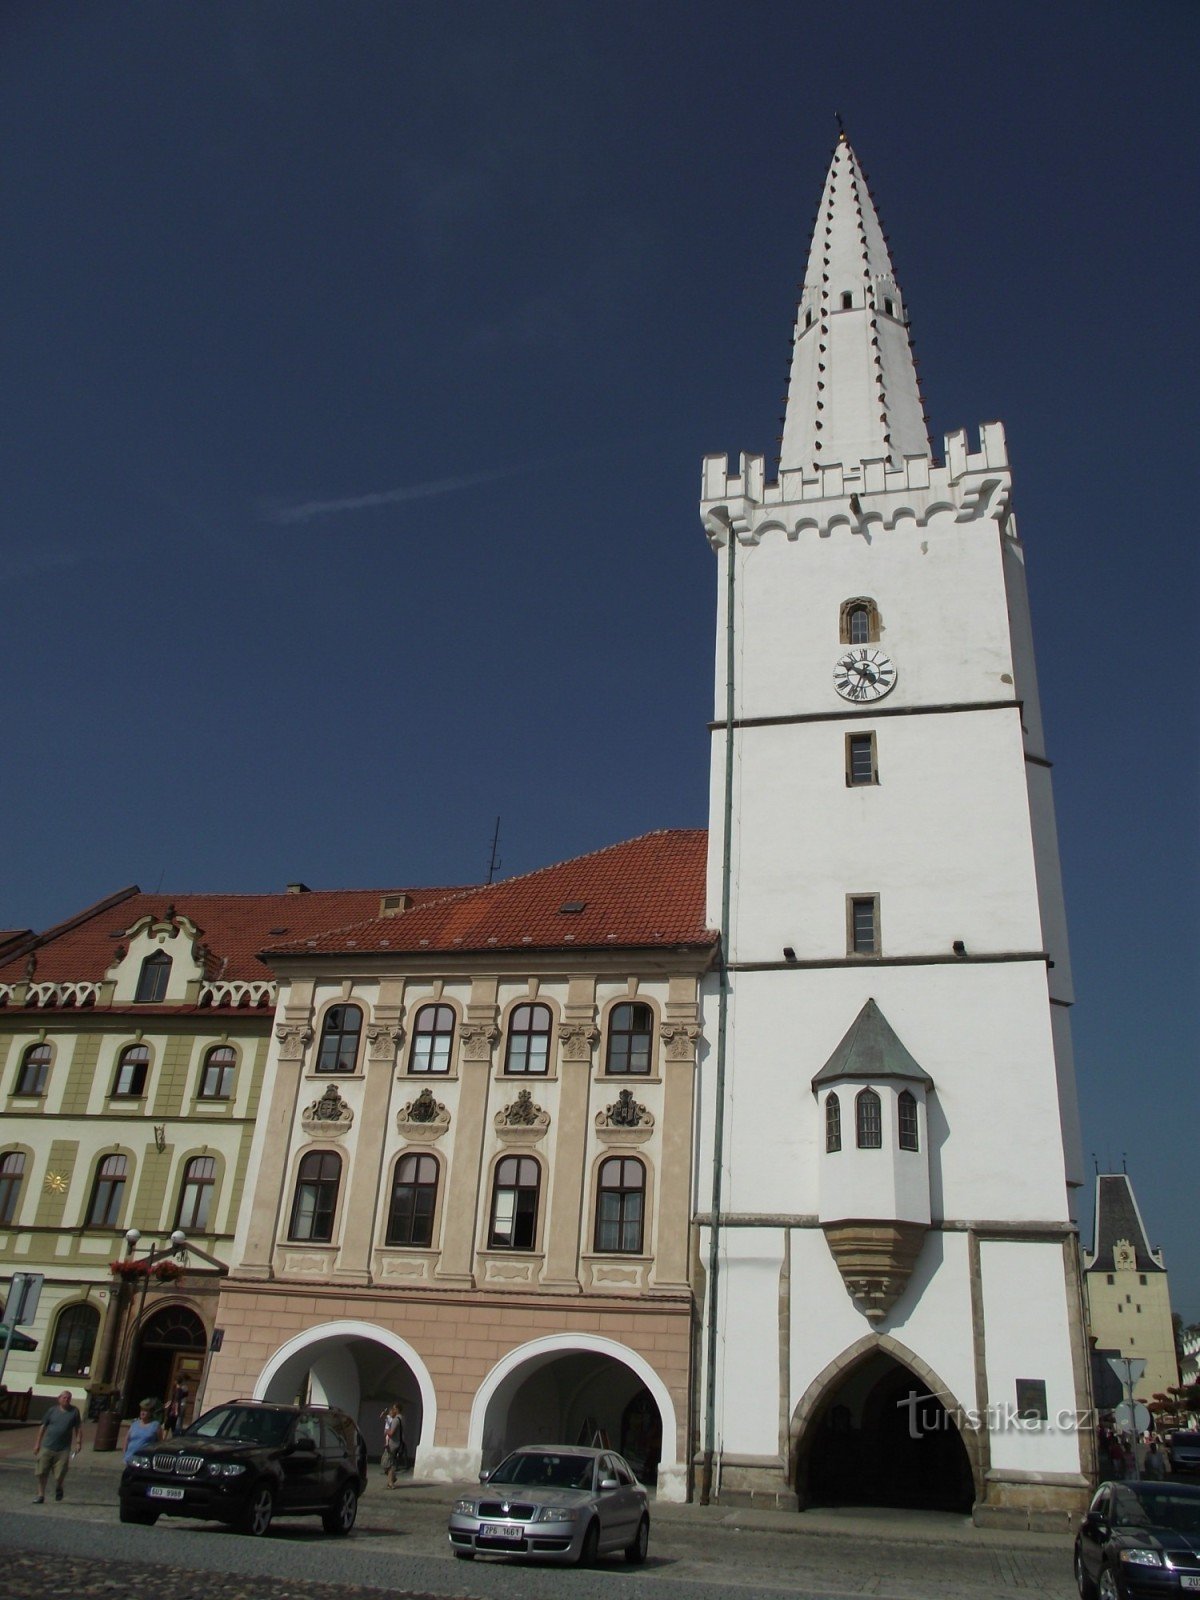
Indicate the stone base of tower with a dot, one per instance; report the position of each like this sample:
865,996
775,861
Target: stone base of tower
759,1481
1036,1502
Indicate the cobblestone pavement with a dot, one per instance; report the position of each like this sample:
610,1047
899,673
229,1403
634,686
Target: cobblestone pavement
79,1548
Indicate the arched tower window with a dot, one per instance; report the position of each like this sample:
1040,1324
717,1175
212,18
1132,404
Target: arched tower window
74,1340
152,979
906,1123
868,1120
859,621
339,1039
414,1198
833,1123
620,1205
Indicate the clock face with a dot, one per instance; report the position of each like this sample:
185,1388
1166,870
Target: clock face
864,673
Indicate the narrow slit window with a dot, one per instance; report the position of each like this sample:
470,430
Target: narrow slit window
864,925
868,1120
833,1124
861,767
906,1121
847,300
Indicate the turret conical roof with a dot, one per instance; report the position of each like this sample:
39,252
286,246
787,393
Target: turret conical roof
853,393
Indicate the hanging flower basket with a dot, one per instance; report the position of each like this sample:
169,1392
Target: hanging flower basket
160,1272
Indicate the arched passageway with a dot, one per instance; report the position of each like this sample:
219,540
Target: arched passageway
879,1436
359,1368
168,1350
567,1392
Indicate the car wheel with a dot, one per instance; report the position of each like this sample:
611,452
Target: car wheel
256,1518
590,1548
131,1514
341,1514
1108,1585
635,1553
1087,1589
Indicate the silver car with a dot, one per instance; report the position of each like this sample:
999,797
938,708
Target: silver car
554,1503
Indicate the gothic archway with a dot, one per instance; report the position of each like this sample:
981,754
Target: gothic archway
878,1427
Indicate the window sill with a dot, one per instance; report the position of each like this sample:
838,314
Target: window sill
628,1077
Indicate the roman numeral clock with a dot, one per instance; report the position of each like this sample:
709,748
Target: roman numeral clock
863,674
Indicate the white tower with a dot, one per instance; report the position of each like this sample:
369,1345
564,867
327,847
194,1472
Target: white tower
889,1125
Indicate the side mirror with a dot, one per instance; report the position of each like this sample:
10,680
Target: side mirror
609,1483
485,1475
305,1446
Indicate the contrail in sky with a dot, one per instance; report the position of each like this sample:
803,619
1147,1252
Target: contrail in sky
307,510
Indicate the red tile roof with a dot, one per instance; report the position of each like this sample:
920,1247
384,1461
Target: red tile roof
235,927
648,891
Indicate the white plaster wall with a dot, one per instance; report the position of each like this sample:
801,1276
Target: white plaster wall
885,1183
748,1355
1027,1336
981,1031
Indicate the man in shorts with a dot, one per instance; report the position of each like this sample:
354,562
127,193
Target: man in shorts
60,1436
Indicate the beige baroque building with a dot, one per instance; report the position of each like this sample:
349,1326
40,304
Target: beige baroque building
469,1183
1128,1294
133,1041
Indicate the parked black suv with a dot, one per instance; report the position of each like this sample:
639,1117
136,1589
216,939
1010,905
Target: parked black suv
247,1462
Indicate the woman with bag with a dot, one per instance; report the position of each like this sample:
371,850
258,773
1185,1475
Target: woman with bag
393,1442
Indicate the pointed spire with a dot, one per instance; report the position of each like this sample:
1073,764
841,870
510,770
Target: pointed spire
853,393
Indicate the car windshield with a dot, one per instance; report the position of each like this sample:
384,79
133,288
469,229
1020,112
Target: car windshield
1157,1505
242,1424
552,1468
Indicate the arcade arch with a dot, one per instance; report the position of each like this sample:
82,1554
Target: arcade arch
360,1368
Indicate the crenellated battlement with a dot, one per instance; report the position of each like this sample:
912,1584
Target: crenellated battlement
972,484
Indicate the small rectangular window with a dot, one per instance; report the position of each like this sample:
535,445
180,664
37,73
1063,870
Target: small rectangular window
861,767
847,300
1109,1279
1142,1279
862,916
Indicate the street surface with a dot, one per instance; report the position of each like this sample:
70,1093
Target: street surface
79,1549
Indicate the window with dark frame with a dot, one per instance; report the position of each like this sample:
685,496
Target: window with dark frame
620,1205
340,1033
864,929
906,1121
833,1124
514,1204
108,1192
847,300
414,1199
315,1202
433,1037
152,980
34,1070
868,1120
73,1343
196,1193
860,625
216,1076
12,1175
528,1049
630,1036
860,759
858,621
132,1065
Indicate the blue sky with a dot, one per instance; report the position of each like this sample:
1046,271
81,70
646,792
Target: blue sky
360,359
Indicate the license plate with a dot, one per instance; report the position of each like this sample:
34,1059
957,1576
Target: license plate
1186,1581
500,1530
158,1492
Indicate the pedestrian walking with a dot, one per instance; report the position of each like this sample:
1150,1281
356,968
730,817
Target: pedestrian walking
59,1440
146,1430
393,1442
176,1408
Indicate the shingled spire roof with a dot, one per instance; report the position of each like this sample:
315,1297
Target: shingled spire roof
871,1049
1117,1219
853,393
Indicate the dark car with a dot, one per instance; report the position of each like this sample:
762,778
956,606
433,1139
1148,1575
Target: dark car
248,1462
1139,1540
1185,1454
554,1503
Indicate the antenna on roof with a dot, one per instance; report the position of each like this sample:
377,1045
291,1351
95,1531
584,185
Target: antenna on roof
1096,1162
1124,1168
495,859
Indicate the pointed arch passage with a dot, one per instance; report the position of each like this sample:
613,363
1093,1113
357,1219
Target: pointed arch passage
878,1427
